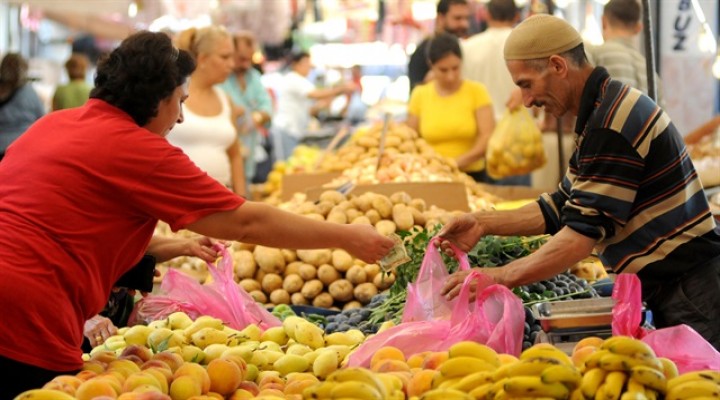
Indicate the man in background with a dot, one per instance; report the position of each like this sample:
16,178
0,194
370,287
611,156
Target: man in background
618,55
452,17
483,54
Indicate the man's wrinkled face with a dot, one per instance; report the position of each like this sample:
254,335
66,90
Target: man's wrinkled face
539,86
457,20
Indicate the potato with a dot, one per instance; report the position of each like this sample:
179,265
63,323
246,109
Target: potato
361,220
292,283
341,260
271,282
259,275
356,275
371,270
383,206
350,305
327,274
345,205
385,227
408,147
315,257
400,198
259,296
402,216
250,285
324,207
289,255
293,268
352,213
341,290
363,203
315,216
323,300
373,216
364,292
245,265
383,281
418,204
269,259
307,208
307,272
337,216
368,141
392,142
298,299
332,196
418,217
311,289
280,296
243,246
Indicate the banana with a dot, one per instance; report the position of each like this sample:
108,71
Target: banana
614,382
628,346
651,378
355,390
577,395
501,395
445,394
600,394
391,382
591,381
691,389
633,396
669,368
474,349
462,366
533,386
481,392
358,375
44,394
593,360
651,394
619,362
546,352
469,382
318,391
448,383
706,375
529,367
635,386
569,376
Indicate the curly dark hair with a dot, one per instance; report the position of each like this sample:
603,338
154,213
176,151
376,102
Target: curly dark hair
145,69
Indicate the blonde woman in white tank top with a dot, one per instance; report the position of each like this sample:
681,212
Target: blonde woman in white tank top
208,133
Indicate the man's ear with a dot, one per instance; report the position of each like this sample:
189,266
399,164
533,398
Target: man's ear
558,65
638,28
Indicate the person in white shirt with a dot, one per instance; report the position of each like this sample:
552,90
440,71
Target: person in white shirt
483,54
298,99
208,134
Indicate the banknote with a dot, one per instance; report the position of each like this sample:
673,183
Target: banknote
397,255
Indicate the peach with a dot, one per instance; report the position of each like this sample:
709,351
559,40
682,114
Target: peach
389,365
197,371
163,376
387,353
434,360
242,394
184,387
104,356
60,386
86,374
143,396
268,379
94,388
239,361
141,379
421,382
171,359
580,355
139,351
592,341
225,376
249,386
297,387
416,360
271,392
156,364
95,366
124,366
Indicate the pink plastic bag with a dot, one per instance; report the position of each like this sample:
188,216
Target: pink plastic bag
496,318
222,299
423,302
681,343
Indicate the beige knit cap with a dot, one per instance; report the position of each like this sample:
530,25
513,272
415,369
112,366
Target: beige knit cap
540,36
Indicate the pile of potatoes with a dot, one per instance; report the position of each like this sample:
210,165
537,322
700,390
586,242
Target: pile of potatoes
328,278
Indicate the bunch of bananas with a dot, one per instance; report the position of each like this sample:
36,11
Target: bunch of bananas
470,365
625,368
694,385
357,383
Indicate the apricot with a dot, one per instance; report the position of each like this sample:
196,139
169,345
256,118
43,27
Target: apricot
225,376
197,371
421,382
387,353
93,388
184,387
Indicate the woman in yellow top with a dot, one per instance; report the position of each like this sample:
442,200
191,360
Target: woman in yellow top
454,115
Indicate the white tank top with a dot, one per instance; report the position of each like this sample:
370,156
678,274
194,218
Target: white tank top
206,139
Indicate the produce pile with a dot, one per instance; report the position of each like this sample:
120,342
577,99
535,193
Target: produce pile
203,359
406,158
302,159
327,278
706,158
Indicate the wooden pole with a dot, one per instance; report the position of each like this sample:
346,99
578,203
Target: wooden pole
649,50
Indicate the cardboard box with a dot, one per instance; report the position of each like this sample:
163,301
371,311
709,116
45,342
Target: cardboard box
301,182
451,196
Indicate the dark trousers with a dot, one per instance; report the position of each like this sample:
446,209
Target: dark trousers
17,377
692,299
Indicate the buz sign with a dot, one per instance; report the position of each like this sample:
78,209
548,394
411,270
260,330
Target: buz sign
683,20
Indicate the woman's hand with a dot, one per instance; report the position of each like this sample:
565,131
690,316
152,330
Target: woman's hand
368,245
97,329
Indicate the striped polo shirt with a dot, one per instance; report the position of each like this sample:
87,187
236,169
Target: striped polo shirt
631,185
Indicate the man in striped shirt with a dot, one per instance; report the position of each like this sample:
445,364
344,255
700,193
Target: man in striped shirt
630,192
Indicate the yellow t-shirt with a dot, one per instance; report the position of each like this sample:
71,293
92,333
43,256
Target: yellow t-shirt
448,122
